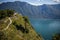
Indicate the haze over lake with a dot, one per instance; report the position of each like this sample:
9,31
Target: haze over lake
46,27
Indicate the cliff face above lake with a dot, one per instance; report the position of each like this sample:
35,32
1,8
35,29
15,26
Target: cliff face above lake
16,27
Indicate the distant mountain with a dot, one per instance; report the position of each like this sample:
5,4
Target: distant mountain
42,11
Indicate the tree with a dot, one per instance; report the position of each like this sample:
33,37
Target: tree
26,21
6,13
56,37
10,12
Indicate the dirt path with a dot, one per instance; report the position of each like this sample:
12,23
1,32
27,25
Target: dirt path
8,24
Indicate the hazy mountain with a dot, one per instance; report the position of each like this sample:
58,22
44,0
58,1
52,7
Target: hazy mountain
42,11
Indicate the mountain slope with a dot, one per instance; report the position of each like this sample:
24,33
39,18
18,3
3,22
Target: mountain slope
42,11
17,27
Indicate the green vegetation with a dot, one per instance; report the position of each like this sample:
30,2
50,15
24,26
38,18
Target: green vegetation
6,13
3,36
56,37
26,19
19,29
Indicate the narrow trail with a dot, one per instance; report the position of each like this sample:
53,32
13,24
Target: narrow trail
8,24
15,14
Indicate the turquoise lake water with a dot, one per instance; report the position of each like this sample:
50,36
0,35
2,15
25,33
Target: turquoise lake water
46,27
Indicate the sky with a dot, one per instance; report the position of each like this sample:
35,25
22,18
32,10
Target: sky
35,2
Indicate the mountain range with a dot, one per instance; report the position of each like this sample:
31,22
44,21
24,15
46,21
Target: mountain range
42,11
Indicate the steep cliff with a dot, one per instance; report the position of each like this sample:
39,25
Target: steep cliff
16,27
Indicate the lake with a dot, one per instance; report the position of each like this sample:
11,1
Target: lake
46,27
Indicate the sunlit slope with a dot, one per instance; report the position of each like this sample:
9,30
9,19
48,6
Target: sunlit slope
17,27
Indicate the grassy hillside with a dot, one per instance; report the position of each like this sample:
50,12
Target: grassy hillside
17,27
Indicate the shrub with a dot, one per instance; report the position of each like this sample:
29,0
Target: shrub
6,13
26,19
21,28
56,37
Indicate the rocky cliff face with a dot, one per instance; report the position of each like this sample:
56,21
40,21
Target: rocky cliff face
17,27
